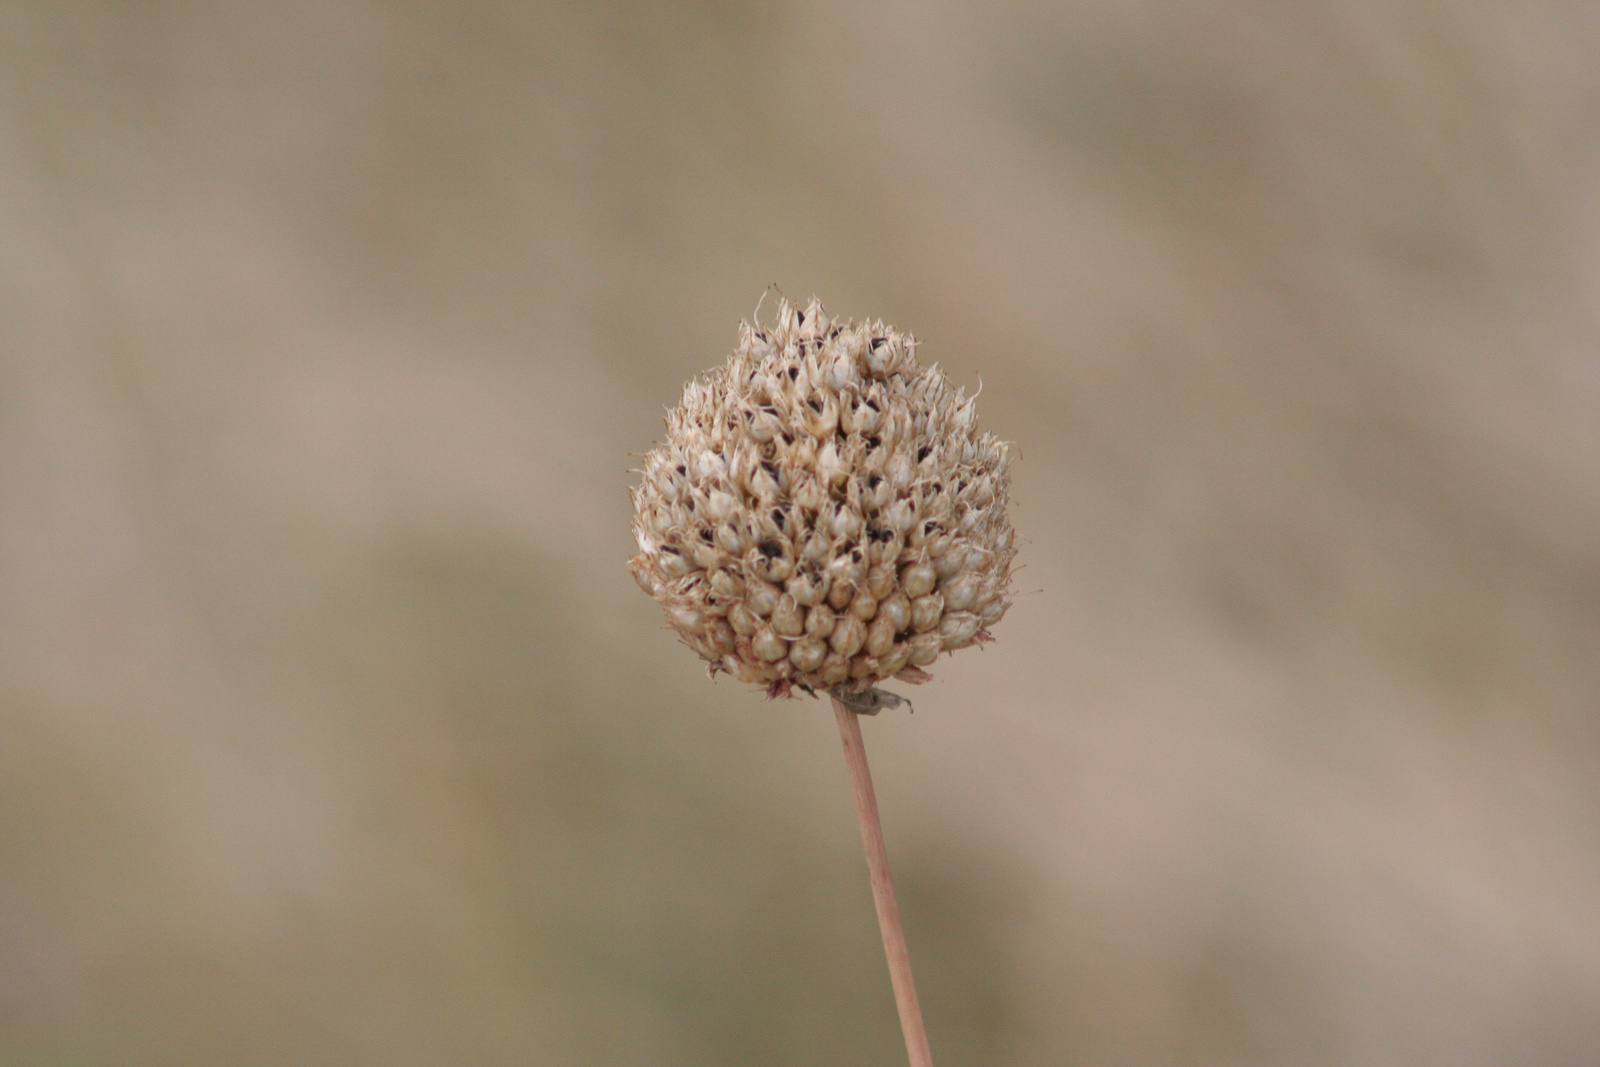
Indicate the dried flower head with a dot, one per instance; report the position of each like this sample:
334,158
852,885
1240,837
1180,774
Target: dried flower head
824,511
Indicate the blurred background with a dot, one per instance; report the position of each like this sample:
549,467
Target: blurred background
333,730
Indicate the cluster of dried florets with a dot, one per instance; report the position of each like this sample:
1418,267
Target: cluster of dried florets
824,511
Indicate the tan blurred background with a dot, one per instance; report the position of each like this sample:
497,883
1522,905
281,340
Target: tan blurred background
333,731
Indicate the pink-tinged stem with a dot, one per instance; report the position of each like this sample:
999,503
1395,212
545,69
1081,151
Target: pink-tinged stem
894,938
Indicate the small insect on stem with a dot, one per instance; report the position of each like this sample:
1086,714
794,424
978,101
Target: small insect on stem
869,701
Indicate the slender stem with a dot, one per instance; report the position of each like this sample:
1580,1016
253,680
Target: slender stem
894,938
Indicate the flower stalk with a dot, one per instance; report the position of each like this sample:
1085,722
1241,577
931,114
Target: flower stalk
894,938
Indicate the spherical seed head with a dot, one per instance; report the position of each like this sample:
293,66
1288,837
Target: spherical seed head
824,511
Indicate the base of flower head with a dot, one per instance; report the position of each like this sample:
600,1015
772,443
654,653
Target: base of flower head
869,701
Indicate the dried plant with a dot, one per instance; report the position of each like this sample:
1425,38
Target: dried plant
824,511
824,514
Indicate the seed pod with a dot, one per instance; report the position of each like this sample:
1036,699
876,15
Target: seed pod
991,612
764,425
719,639
880,635
831,466
810,494
925,648
705,554
819,621
732,538
926,611
917,579
807,587
846,523
883,355
948,562
835,669
894,661
720,505
847,567
958,628
901,468
882,552
769,646
824,510
960,591
725,584
807,654
821,417
881,579
761,597
842,373
787,617
864,668
673,562
744,621
840,595
816,551
869,412
769,561
897,609
849,634
901,516
684,618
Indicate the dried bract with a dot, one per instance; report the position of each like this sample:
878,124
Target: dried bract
824,511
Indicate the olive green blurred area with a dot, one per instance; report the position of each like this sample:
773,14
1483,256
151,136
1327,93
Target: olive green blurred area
333,730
